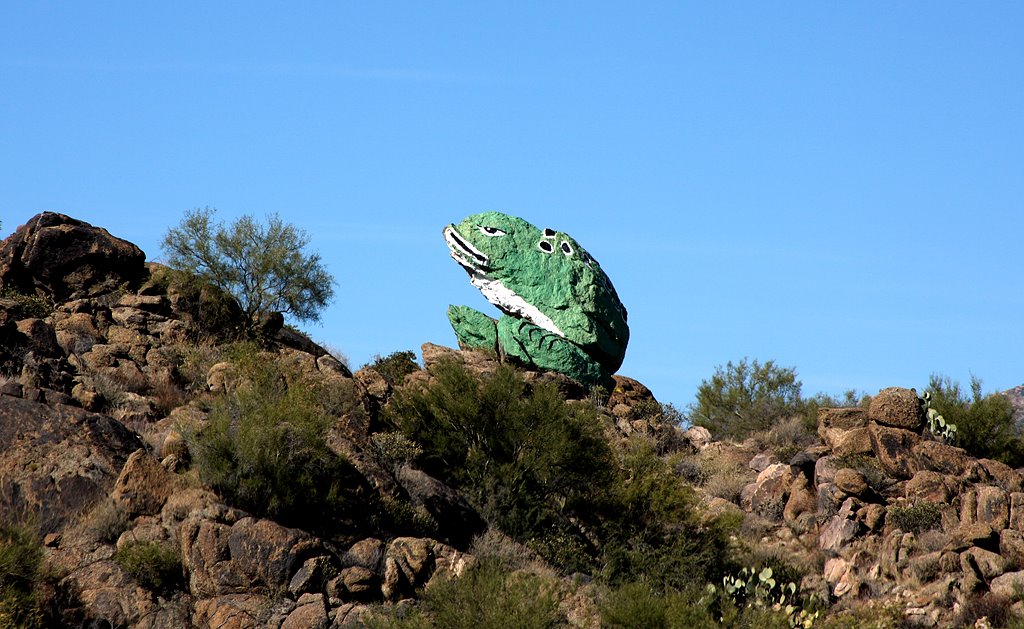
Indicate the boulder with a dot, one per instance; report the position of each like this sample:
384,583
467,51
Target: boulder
898,408
928,486
844,430
851,482
893,447
458,523
57,461
56,255
267,553
839,531
311,613
767,495
408,564
940,457
144,485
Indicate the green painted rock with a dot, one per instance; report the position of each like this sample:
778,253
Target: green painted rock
560,310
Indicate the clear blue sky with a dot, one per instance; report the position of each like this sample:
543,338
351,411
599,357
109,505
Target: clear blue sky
835,186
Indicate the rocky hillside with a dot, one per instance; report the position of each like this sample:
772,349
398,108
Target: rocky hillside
112,366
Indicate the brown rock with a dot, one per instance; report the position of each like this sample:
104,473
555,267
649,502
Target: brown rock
233,611
367,553
267,553
58,461
928,486
989,564
768,491
993,509
310,614
802,499
40,337
1007,584
851,482
1017,511
940,457
56,255
373,383
355,584
898,408
1011,546
844,430
840,530
144,485
1004,475
408,563
893,447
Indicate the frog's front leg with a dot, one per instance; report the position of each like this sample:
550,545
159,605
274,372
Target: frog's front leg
533,344
474,329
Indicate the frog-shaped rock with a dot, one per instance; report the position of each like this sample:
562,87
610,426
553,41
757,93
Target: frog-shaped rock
561,311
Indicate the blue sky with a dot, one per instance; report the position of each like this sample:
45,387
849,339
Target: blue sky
834,186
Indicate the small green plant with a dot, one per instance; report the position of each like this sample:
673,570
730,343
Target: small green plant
393,448
937,423
753,588
746,397
155,565
28,306
488,596
21,572
916,518
395,366
985,424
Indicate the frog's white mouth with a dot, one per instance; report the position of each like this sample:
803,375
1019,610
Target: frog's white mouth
464,253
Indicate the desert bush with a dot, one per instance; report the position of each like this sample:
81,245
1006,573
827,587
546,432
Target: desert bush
21,572
524,458
985,425
395,366
27,306
745,397
262,266
264,450
724,477
916,518
637,606
156,566
488,596
106,521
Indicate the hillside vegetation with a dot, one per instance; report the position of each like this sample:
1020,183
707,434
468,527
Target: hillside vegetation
171,459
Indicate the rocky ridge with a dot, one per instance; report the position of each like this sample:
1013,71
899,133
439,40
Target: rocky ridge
99,388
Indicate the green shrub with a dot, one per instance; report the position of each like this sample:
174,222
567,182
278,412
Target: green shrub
985,425
21,572
488,596
28,306
746,397
915,518
525,459
264,451
652,535
155,566
395,366
637,606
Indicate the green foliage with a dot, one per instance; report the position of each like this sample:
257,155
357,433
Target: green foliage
651,535
155,566
262,266
264,449
540,469
28,306
985,423
752,587
637,606
395,366
21,572
916,518
745,397
525,459
488,596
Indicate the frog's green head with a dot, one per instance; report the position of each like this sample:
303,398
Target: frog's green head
541,275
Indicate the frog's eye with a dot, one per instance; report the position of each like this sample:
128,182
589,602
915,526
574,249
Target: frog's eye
549,233
491,231
545,246
566,248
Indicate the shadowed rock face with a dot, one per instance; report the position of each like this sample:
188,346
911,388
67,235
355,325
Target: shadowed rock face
56,461
64,258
